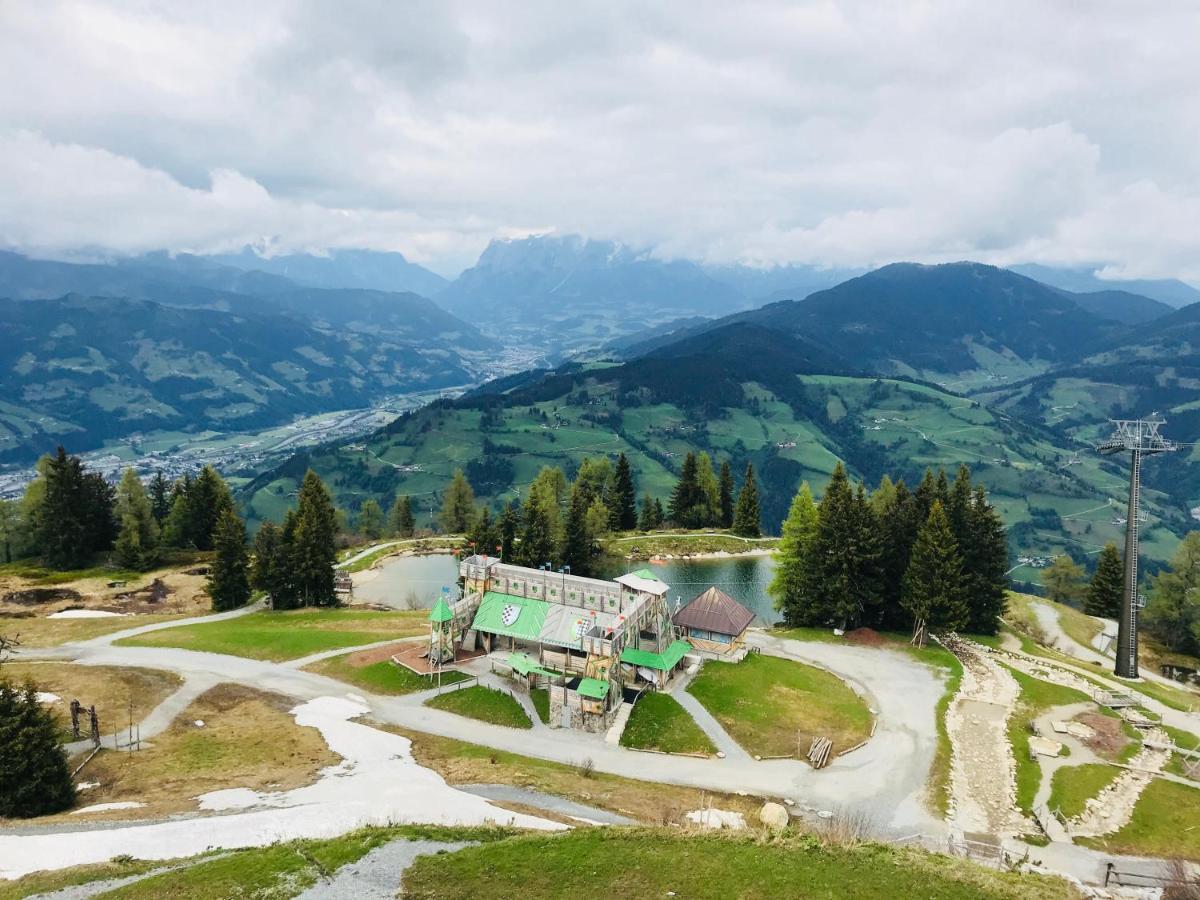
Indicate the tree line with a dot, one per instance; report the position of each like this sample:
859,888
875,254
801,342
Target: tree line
932,558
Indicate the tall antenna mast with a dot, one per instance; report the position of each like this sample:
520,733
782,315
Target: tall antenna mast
1138,437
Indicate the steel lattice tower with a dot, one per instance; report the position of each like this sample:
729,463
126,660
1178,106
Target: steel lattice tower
1138,437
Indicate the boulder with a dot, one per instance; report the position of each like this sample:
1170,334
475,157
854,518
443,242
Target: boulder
774,816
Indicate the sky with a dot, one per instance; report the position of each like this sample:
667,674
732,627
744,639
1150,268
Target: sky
832,134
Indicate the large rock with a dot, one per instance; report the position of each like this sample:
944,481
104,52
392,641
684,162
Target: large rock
774,816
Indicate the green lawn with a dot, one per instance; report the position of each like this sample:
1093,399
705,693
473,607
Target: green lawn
541,702
278,636
1166,822
483,703
658,722
775,707
283,870
633,864
1176,698
1073,786
942,660
384,677
1036,697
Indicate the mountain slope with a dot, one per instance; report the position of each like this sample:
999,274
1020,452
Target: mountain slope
366,269
1171,291
1122,306
567,292
86,369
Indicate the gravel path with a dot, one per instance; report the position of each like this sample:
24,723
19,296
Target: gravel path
378,875
507,793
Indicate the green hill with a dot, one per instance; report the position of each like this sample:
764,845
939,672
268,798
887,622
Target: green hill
715,395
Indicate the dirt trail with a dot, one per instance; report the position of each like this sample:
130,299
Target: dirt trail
982,772
1113,807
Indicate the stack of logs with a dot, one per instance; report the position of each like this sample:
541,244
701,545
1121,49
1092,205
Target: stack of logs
819,751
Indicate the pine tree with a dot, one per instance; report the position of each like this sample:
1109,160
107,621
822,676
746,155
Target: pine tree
369,521
958,505
271,572
747,516
175,526
793,561
229,579
624,501
208,498
725,495
709,516
401,522
577,546
10,526
660,514
985,565
1173,612
899,522
1107,587
688,504
510,523
160,497
61,530
845,573
99,522
538,541
485,533
458,507
35,779
933,590
137,541
1063,580
312,551
650,518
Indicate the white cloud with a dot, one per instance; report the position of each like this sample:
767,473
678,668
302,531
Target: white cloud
827,133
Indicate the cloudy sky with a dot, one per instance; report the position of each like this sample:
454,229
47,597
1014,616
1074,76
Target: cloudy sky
825,133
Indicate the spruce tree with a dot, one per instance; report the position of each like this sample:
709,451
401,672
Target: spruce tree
538,541
271,571
458,507
229,578
747,516
99,521
933,591
660,514
10,526
790,584
312,551
175,526
985,565
1173,612
510,523
401,522
60,527
845,574
137,541
369,521
650,519
208,498
958,505
725,491
577,546
709,515
35,779
485,533
624,503
1105,591
690,506
899,522
160,497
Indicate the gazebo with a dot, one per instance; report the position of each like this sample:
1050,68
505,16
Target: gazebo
714,622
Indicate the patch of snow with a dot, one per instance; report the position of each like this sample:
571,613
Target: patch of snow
84,614
199,723
717,819
232,798
356,698
378,782
47,697
87,785
105,807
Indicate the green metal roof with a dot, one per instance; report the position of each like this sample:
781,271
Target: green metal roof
525,664
511,616
441,611
594,688
647,574
664,661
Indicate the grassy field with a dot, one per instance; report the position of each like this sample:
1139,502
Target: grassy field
775,707
649,802
644,545
625,864
1036,697
1072,786
248,740
485,704
109,688
277,636
380,676
942,660
658,722
37,632
541,702
279,870
1166,822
